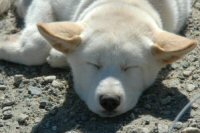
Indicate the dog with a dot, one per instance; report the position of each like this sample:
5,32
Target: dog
115,48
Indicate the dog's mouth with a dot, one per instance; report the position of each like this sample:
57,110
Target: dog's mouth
109,113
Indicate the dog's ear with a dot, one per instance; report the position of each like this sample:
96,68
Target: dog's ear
169,47
63,36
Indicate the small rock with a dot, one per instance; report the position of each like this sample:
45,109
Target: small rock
57,84
166,100
195,106
175,65
1,82
191,130
54,128
195,76
178,125
185,64
190,87
147,122
26,81
2,97
34,90
43,104
50,78
194,124
3,87
138,130
1,123
7,108
147,106
187,73
22,118
162,128
18,79
37,120
132,116
7,115
8,103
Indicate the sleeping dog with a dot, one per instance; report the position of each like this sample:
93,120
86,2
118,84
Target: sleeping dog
115,48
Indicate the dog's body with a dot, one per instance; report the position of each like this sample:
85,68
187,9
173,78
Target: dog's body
114,47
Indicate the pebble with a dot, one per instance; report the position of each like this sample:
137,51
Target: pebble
147,106
7,108
1,82
191,130
43,104
17,79
185,64
3,87
190,87
166,100
1,124
2,97
193,124
162,128
37,120
187,73
195,106
175,65
50,78
132,116
54,128
22,118
8,103
178,125
195,77
137,130
34,90
146,122
7,115
57,84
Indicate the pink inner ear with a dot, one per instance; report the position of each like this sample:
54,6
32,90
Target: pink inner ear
62,38
170,42
164,57
170,47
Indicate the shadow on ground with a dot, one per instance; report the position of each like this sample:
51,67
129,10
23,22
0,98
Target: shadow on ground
74,115
158,101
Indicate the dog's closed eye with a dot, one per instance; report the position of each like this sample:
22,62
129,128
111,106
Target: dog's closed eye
97,66
127,68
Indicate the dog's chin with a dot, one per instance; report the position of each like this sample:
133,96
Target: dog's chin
108,114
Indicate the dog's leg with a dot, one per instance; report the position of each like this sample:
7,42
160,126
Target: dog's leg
31,48
57,59
22,7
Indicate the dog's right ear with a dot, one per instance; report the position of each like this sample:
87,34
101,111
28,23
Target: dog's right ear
170,47
63,36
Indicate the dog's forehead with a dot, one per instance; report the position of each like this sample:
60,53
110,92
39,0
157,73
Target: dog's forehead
109,47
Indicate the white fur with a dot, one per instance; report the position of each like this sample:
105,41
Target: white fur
106,42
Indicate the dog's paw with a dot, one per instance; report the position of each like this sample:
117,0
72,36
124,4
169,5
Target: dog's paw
57,59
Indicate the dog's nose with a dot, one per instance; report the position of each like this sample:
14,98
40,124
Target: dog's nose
109,103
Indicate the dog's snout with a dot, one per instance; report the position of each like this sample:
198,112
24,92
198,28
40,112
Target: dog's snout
109,103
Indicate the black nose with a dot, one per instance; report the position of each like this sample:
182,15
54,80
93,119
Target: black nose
109,103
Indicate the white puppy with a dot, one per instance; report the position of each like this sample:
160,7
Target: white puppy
114,47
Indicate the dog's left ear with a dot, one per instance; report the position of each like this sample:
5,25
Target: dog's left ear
63,36
169,47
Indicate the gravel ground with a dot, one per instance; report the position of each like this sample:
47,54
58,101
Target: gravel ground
42,100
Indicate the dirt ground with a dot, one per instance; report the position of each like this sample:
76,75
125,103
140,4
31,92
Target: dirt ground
42,100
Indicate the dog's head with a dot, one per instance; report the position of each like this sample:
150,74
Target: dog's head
114,59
